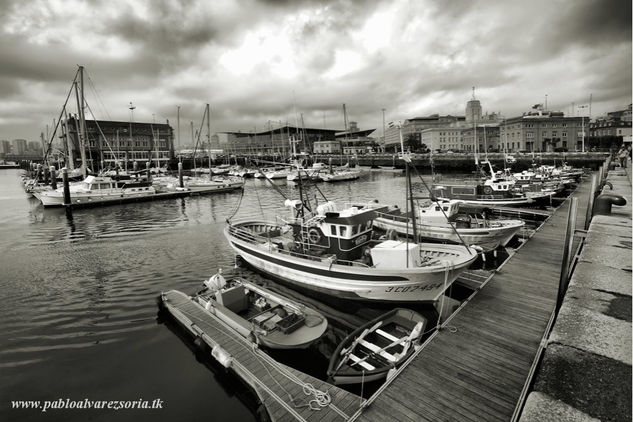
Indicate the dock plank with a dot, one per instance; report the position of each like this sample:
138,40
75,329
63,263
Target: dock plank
478,372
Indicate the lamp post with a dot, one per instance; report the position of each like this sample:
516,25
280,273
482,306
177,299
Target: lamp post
384,139
582,117
131,118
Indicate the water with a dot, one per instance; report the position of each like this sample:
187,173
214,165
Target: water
77,299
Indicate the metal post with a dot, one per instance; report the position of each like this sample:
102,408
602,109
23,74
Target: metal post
180,182
66,187
569,242
149,175
592,197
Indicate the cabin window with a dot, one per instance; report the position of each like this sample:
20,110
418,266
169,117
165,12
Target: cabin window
333,230
355,230
368,225
437,208
343,231
445,208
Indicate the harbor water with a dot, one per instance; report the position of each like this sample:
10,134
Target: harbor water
79,318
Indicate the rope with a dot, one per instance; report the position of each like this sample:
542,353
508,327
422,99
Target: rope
321,399
237,206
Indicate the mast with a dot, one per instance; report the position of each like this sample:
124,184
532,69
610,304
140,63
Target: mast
194,152
70,158
178,125
80,134
131,139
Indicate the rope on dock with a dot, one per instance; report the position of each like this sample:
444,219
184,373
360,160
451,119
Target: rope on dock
321,399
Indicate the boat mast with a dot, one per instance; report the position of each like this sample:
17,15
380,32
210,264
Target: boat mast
80,133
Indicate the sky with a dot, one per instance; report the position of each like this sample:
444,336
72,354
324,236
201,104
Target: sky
262,62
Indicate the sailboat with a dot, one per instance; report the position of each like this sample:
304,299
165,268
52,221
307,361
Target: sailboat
331,250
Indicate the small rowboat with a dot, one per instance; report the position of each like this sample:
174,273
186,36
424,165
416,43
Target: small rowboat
258,314
375,348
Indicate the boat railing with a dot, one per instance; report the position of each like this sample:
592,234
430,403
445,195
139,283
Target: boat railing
393,217
259,239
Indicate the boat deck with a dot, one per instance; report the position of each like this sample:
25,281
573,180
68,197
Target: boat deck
476,367
279,387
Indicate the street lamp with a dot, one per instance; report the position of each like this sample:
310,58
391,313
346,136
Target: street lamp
582,116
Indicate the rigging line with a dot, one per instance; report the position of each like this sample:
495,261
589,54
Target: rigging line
100,102
237,207
50,142
434,199
101,132
195,148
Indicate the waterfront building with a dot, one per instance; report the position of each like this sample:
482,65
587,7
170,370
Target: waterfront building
327,147
412,129
541,131
473,110
440,139
487,138
19,146
356,141
5,147
274,141
123,142
615,127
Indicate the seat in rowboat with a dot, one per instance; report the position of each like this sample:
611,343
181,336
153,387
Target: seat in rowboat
386,335
364,364
376,349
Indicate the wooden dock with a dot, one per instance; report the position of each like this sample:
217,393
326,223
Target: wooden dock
478,366
288,394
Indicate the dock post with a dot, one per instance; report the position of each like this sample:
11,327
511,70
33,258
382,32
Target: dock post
600,175
149,175
180,183
592,197
330,164
53,178
66,187
569,242
46,174
135,166
38,173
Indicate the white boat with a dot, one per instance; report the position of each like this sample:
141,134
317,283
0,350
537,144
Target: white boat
277,174
98,190
306,174
340,175
216,184
256,313
442,221
333,253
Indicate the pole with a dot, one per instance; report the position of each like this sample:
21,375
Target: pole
132,140
66,187
384,139
180,182
178,125
592,197
82,117
53,178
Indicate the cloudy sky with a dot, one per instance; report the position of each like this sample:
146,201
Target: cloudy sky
256,61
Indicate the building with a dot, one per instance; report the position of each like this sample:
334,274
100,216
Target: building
5,147
541,131
473,110
412,129
19,146
327,147
440,139
487,138
615,127
122,142
356,141
275,141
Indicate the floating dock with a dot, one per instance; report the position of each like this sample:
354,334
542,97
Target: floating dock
479,364
287,394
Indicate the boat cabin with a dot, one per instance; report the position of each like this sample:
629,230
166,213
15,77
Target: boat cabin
343,233
101,183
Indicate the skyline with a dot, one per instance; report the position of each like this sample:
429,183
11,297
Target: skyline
259,61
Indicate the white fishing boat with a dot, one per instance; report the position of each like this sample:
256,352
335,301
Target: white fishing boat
98,190
256,313
377,347
333,253
443,221
277,174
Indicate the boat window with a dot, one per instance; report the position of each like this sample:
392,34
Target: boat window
333,229
369,224
437,208
355,230
445,208
343,231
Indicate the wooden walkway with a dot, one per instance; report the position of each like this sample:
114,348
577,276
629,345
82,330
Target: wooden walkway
279,387
475,368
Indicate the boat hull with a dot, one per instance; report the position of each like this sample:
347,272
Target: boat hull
489,238
56,199
361,283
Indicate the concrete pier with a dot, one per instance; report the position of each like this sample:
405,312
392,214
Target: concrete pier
585,374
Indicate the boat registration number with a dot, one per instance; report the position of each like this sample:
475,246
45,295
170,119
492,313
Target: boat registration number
411,289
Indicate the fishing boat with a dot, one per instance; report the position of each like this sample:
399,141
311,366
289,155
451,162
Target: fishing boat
256,313
374,349
99,190
277,174
443,221
333,252
494,190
